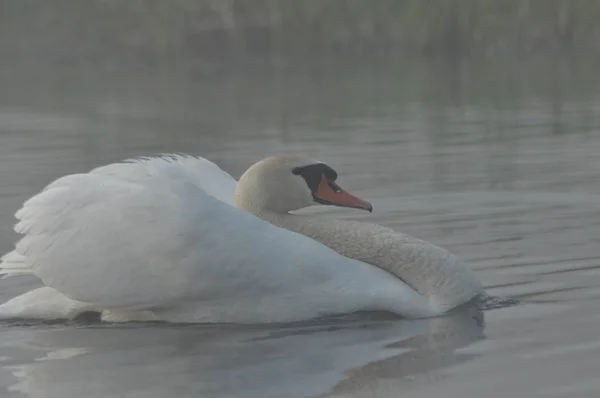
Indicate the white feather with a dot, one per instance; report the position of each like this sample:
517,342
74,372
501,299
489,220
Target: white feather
42,303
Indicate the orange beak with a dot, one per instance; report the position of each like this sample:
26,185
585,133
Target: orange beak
329,193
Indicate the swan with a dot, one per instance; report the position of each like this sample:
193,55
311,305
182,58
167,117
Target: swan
175,238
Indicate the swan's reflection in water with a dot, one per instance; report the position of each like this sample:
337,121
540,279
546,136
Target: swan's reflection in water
180,361
434,348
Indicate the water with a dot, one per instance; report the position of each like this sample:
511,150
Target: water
498,163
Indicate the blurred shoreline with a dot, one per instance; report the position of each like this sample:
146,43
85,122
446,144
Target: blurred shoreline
146,33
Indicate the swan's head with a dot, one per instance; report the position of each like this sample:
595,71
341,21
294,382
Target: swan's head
286,183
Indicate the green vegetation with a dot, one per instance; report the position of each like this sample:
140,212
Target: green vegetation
160,29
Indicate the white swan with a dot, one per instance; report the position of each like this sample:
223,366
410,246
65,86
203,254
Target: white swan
161,239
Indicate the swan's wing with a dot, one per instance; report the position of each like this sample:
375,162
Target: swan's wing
127,235
197,170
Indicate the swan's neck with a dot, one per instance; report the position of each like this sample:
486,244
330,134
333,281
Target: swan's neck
429,269
349,238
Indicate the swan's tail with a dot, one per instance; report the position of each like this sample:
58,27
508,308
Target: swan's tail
12,264
42,303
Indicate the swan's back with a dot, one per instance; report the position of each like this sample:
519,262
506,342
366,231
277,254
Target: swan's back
150,234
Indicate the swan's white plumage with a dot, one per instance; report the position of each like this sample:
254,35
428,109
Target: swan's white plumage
43,303
159,235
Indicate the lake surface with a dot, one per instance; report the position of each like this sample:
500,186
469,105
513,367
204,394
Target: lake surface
498,163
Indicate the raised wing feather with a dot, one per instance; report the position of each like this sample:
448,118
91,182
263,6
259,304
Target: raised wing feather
126,234
199,171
